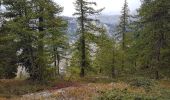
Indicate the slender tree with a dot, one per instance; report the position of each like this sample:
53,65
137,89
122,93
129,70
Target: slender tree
83,12
105,58
58,42
123,29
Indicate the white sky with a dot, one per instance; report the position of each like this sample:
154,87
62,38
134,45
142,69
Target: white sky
112,7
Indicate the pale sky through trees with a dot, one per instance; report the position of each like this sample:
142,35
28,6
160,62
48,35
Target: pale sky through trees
112,7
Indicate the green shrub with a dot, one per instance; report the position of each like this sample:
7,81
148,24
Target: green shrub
124,95
165,93
147,84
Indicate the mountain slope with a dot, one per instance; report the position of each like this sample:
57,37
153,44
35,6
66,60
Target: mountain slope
108,21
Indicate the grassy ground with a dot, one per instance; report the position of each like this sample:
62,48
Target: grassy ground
121,90
139,90
12,89
89,89
15,88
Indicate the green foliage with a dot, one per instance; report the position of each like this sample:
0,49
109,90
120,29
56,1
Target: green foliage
155,92
147,84
105,57
8,48
124,95
14,88
152,39
84,10
38,32
123,36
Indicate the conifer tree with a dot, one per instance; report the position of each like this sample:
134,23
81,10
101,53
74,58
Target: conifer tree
123,29
84,11
8,61
154,34
50,35
58,43
33,22
105,58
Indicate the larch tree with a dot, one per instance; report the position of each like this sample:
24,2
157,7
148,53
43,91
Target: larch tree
8,48
51,35
34,22
85,10
105,58
58,43
155,33
122,30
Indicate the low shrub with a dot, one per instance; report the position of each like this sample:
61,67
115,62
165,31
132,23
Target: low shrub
124,95
13,88
147,84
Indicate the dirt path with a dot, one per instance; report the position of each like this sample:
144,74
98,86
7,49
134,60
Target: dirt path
57,91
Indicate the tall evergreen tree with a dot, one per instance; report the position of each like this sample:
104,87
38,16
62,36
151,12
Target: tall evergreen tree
154,34
83,12
105,57
122,30
8,61
32,22
51,28
58,43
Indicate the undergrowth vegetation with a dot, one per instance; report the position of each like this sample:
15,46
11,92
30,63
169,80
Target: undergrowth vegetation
91,88
15,88
161,94
138,88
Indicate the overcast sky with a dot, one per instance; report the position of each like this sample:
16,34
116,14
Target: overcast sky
112,7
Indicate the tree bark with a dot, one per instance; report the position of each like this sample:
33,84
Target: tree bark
58,63
83,51
41,48
113,64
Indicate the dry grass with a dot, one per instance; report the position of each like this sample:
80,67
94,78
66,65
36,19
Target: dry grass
87,92
72,91
15,88
164,84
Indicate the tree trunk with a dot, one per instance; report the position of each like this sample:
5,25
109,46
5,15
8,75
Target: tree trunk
83,48
158,53
100,70
123,63
55,63
113,72
41,49
157,74
113,64
33,72
58,63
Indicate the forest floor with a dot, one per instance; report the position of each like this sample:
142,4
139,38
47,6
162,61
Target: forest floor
24,90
